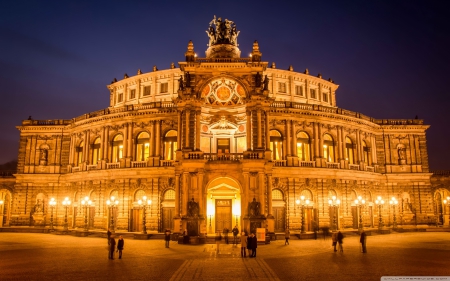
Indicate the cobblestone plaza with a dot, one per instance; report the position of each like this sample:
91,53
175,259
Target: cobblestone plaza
25,256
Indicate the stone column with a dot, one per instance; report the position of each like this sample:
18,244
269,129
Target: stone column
71,150
188,113
177,195
358,147
152,139
258,115
269,193
249,130
315,141
197,129
262,188
288,137
130,140
294,140
267,131
125,141
202,194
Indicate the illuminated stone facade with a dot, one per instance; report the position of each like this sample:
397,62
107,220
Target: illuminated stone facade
219,141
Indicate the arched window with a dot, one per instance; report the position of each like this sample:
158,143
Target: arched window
277,194
365,155
276,144
138,195
349,155
170,145
96,152
328,148
169,194
303,147
117,148
79,152
143,146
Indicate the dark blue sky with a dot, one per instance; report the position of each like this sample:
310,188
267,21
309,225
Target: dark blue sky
390,58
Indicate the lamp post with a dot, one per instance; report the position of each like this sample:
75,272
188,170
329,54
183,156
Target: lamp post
359,203
302,202
66,204
393,202
144,203
380,203
334,203
86,204
52,204
112,204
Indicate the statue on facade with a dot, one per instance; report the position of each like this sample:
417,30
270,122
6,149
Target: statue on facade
181,83
401,153
254,208
38,207
257,80
187,76
266,83
223,32
193,209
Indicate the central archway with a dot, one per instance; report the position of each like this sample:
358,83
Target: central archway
223,204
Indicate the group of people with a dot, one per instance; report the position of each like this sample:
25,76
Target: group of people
337,238
112,245
249,243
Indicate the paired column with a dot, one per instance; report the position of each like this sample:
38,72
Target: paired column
249,130
197,129
258,115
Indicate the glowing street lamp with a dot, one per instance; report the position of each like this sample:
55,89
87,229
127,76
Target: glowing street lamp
52,204
112,204
66,204
393,202
360,202
334,203
144,203
86,203
302,202
379,202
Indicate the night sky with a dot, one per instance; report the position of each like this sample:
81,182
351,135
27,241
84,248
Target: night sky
390,58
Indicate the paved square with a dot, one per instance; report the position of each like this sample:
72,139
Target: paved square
25,256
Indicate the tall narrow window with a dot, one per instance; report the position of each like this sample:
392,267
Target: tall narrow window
96,154
120,97
303,147
79,152
366,151
164,87
349,155
143,146
170,145
299,90
328,148
132,94
146,91
276,144
325,97
312,93
117,148
281,87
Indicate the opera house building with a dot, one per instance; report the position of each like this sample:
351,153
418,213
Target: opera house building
222,140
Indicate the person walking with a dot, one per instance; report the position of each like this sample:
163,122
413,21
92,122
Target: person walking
112,247
167,237
243,245
225,233
249,245
218,240
235,232
334,240
254,245
287,235
340,240
362,240
120,244
108,234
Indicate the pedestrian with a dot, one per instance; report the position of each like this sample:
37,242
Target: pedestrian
112,247
287,235
340,240
225,233
254,245
185,237
167,237
362,240
235,232
243,245
120,244
108,234
218,240
249,245
334,240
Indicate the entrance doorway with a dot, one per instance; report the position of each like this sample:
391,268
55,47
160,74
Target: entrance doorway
223,214
136,220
